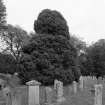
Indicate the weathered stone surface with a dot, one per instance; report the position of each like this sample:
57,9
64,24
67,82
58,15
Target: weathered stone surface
74,86
33,88
60,97
98,94
48,95
81,83
33,83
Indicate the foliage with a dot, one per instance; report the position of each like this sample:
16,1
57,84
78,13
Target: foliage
2,15
51,22
95,59
48,57
83,64
7,63
78,43
14,38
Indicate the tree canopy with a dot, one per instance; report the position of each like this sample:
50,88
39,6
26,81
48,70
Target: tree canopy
7,63
94,63
48,57
51,22
2,15
14,38
49,54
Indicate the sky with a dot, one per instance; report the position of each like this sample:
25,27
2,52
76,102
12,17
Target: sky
85,18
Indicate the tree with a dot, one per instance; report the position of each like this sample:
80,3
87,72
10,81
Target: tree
14,38
95,59
2,15
78,43
31,34
49,57
83,64
51,22
7,63
49,54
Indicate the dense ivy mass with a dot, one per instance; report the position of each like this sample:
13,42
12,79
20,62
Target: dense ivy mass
48,57
51,22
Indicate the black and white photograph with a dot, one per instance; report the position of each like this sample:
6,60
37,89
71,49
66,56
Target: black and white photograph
52,52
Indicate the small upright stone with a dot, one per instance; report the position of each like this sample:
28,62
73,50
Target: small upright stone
16,98
7,95
55,83
48,96
75,86
60,97
98,94
81,83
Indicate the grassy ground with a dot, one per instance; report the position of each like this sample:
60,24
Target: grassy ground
82,97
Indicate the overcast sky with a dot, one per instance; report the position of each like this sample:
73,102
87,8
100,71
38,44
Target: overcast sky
85,18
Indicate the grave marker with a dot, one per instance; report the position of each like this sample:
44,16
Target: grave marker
98,94
55,83
48,96
16,97
60,97
81,83
75,86
7,95
33,88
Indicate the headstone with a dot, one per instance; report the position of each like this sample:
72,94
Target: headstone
81,83
48,96
98,94
55,83
60,97
2,83
94,78
75,86
16,98
33,87
7,95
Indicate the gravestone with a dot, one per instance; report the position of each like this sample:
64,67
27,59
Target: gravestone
33,95
98,94
2,84
16,97
48,96
60,97
55,83
7,88
6,91
12,96
74,86
81,83
7,95
93,78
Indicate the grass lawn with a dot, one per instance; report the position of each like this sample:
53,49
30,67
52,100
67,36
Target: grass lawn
82,97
